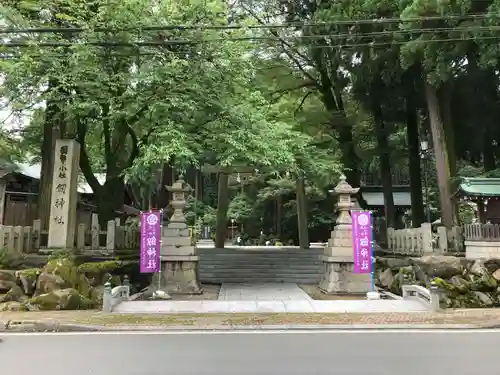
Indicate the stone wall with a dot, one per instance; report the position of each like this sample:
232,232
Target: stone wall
463,283
482,249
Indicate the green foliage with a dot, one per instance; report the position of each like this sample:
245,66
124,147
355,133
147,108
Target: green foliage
296,100
240,208
62,254
198,213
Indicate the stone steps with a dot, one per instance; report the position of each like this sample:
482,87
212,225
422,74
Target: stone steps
238,265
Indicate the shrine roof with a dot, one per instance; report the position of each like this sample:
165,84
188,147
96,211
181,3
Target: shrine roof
480,186
34,171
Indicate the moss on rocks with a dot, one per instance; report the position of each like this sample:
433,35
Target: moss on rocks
441,283
7,275
62,273
99,267
63,299
15,294
30,273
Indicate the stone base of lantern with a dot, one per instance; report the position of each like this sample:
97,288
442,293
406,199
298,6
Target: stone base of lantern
180,276
338,277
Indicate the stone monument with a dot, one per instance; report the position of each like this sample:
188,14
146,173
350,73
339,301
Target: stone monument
206,237
338,257
179,263
62,224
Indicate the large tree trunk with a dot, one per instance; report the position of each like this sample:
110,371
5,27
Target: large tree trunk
53,128
279,204
482,105
302,211
444,99
222,208
412,134
331,92
384,152
441,155
110,198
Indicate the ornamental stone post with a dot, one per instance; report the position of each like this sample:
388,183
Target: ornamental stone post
338,257
179,262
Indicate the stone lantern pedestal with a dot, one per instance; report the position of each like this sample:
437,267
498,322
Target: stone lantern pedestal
179,262
338,257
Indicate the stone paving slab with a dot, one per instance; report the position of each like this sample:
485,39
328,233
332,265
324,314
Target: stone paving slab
262,292
301,306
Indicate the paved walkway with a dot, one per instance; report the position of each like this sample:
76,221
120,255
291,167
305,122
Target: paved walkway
268,298
202,307
262,292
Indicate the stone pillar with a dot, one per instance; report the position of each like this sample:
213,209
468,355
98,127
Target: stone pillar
179,273
62,224
206,237
338,257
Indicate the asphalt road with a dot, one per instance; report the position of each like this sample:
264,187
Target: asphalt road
334,352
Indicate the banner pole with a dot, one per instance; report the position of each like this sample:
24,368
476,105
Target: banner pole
141,250
373,250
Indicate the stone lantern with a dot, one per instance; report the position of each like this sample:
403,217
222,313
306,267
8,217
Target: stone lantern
338,257
179,262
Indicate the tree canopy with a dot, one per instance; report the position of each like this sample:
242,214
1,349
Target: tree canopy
300,91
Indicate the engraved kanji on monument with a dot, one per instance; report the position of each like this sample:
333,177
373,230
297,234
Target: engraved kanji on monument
62,225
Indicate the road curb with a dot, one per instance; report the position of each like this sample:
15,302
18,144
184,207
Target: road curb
48,326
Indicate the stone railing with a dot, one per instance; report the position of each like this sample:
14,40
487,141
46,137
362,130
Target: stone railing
482,232
482,241
114,296
429,297
419,241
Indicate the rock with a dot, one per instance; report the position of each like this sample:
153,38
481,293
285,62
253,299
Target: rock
12,306
484,299
97,295
99,271
15,294
28,279
484,284
386,279
62,299
161,295
47,283
492,265
406,276
61,273
440,266
479,269
461,285
393,263
7,275
496,275
6,285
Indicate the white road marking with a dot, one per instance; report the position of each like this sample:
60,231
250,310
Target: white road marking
258,332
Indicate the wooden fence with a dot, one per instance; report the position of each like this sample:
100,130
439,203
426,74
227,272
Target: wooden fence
32,239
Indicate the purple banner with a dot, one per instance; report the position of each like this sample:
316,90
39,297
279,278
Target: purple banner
362,241
150,242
